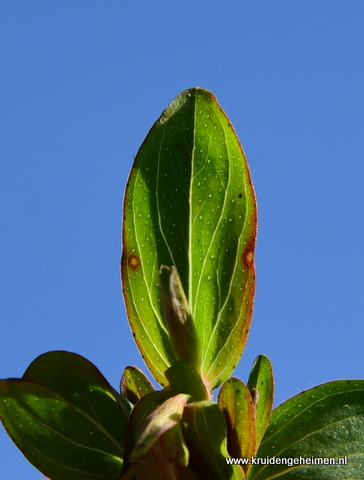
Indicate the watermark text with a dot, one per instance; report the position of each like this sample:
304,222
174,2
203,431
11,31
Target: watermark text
288,461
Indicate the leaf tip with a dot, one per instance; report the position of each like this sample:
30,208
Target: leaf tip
175,105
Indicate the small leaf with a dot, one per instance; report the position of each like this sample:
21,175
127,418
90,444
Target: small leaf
181,327
163,418
324,423
205,432
237,406
183,378
134,384
261,386
144,407
190,203
66,419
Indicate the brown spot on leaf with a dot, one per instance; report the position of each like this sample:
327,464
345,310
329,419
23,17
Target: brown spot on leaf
248,255
255,395
133,262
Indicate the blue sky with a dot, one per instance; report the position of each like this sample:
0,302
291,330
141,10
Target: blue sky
82,82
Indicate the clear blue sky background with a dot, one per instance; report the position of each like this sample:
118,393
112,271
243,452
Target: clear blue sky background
81,84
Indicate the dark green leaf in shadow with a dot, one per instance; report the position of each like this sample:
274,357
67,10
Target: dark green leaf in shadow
189,203
66,419
174,446
261,386
134,384
204,429
237,406
324,423
155,465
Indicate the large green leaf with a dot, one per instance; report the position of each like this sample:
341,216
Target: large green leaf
189,203
323,424
66,419
261,386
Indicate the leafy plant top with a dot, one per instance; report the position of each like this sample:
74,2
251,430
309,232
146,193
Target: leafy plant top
188,277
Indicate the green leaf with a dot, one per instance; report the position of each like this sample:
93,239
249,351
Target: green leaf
205,432
174,446
143,408
134,384
325,423
159,421
66,419
261,386
183,378
180,324
237,406
189,203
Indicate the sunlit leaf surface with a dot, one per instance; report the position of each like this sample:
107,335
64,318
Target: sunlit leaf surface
325,423
190,203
